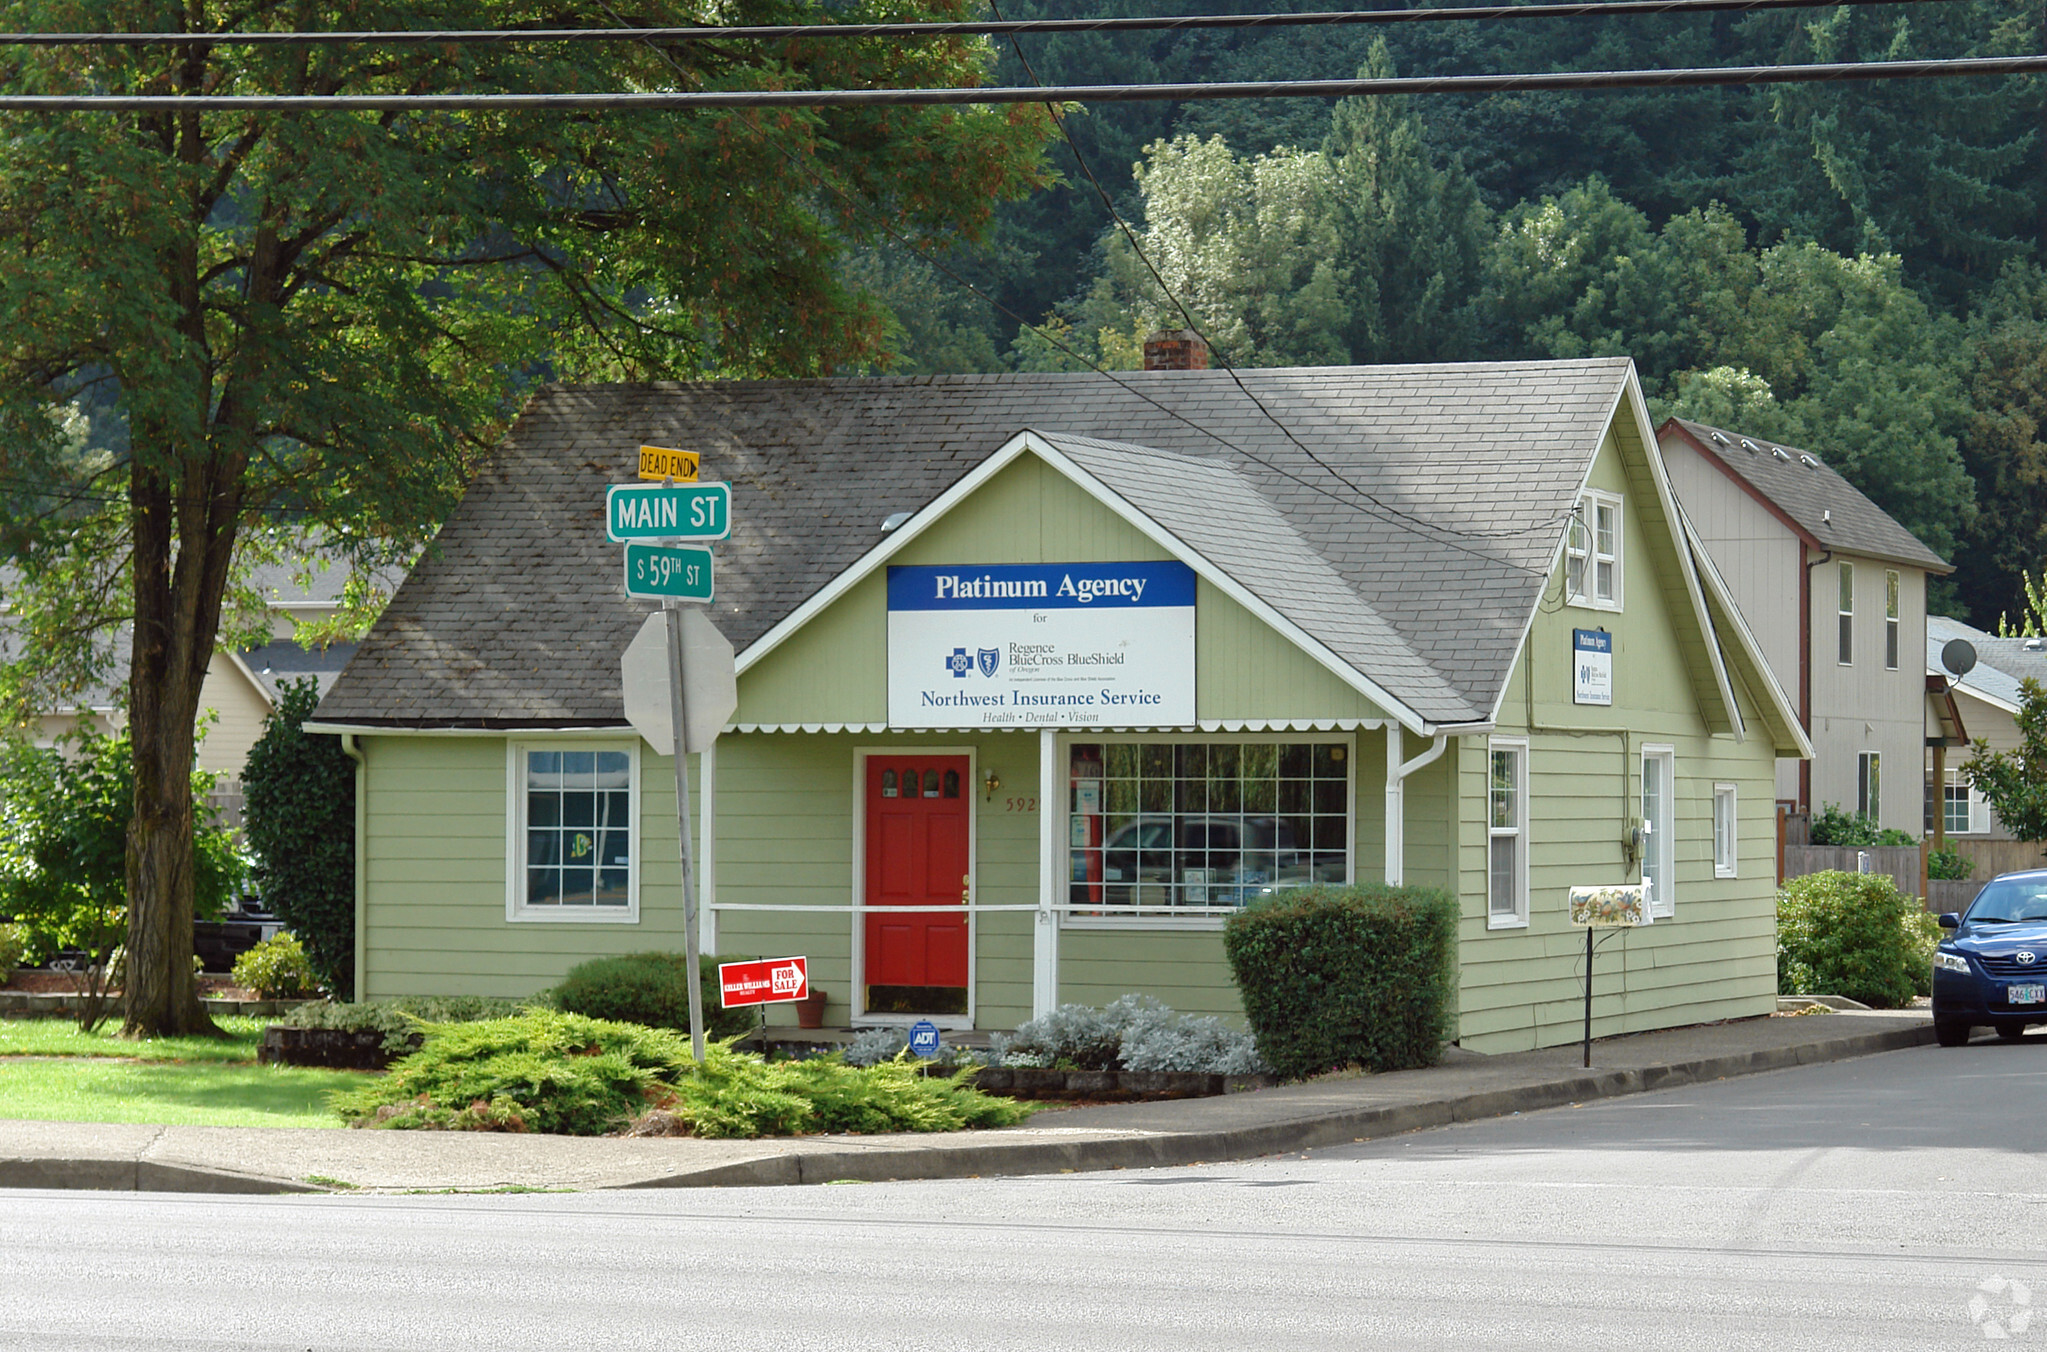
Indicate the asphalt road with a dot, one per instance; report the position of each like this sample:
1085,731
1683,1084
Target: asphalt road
1862,1204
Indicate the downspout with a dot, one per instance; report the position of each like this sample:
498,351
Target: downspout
1805,641
1397,772
355,753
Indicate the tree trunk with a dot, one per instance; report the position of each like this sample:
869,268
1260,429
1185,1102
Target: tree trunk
177,613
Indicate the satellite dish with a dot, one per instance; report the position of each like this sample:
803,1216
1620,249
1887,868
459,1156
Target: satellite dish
1958,655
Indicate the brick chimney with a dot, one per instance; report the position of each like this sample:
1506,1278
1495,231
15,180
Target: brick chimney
1175,350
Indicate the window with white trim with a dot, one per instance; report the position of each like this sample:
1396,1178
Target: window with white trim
1166,832
1659,829
1725,844
1592,553
1846,606
1506,833
1965,810
1869,784
574,836
1892,595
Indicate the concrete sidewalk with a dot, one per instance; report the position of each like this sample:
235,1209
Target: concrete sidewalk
1135,1135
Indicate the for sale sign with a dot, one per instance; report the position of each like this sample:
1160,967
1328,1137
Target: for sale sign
765,982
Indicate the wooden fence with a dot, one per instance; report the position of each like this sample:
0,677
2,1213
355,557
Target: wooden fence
1900,861
1992,857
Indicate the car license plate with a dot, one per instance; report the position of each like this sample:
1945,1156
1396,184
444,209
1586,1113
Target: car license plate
2025,995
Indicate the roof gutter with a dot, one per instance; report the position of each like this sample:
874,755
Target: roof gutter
1397,772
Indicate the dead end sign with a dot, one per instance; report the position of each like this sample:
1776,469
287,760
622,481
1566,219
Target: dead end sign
768,981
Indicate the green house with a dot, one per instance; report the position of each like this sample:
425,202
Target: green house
1043,676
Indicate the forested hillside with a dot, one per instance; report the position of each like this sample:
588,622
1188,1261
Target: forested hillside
1855,269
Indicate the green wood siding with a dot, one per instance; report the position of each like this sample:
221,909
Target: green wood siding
1716,958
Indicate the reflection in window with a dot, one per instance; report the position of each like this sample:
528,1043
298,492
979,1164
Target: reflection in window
1164,828
888,783
952,783
578,828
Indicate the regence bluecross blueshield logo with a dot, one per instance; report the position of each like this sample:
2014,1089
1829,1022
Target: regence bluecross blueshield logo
991,658
959,664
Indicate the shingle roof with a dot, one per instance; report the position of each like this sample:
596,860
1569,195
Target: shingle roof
1826,506
2001,663
1438,503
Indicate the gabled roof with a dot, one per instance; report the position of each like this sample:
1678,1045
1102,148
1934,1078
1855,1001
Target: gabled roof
1816,502
1406,518
2001,663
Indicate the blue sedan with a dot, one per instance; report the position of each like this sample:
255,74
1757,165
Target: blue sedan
1991,966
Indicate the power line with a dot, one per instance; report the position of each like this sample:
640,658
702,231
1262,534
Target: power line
1679,78
1137,246
997,27
951,274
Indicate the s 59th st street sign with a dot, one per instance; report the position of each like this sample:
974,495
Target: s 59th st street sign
659,571
665,512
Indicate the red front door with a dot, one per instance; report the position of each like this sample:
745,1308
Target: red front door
917,884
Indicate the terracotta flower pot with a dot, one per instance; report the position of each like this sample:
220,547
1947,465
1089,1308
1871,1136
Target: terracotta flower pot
810,1010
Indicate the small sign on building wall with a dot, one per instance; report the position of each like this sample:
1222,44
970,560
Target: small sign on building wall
1591,666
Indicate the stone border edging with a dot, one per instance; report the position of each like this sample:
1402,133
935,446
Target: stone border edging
891,1164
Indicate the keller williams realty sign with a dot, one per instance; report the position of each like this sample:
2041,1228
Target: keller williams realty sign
768,981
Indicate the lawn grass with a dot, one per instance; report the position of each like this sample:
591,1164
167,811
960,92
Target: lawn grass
174,1081
171,1093
60,1037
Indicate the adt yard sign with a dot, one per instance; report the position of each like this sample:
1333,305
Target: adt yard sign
924,1039
769,981
668,512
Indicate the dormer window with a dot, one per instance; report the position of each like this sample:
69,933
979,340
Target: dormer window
1592,553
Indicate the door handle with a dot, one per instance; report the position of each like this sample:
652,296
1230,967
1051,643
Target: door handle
966,889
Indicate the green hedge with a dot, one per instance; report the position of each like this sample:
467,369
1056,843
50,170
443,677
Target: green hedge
1337,976
652,989
1853,934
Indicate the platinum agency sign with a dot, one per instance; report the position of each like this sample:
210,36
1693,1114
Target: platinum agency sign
1031,645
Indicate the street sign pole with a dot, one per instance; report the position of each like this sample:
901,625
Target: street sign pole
679,720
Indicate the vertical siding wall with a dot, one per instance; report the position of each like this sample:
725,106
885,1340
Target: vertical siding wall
1716,958
1865,706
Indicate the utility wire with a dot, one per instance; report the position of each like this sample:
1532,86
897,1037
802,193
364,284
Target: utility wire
710,33
1679,78
1137,246
951,274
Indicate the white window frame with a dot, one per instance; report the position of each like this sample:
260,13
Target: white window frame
1978,806
1726,831
1869,784
1844,606
1894,597
516,909
1202,918
1663,839
1517,918
1582,551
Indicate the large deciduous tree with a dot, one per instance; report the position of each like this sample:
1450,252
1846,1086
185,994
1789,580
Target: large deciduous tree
320,318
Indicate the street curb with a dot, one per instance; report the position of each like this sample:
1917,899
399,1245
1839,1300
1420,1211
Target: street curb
132,1175
991,1154
884,1164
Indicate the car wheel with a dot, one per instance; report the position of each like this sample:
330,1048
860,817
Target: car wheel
2010,1032
1949,1034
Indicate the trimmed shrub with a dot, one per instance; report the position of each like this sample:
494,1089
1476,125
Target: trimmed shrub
650,988
298,793
276,969
1853,934
1336,976
550,1071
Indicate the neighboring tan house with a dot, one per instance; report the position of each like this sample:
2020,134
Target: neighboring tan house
241,686
1042,677
1987,699
1835,591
